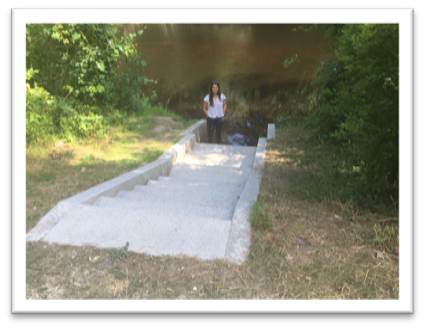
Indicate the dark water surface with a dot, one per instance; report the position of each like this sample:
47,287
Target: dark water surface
247,60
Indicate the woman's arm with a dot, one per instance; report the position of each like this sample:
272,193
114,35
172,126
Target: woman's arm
205,108
224,105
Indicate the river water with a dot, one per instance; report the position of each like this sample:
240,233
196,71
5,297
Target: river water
251,62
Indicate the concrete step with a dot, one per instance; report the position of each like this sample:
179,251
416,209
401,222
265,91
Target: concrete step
215,198
158,208
190,179
162,180
237,161
200,175
210,173
220,148
155,235
203,186
199,185
221,155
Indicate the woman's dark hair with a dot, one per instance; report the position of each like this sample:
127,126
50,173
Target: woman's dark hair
211,93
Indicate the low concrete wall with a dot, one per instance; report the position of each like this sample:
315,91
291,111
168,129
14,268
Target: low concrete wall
238,243
159,167
270,131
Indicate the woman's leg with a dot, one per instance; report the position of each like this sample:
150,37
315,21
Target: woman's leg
209,126
219,122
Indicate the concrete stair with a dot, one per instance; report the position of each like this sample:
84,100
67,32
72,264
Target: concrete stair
188,212
159,234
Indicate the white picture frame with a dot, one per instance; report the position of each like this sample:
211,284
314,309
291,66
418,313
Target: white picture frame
403,17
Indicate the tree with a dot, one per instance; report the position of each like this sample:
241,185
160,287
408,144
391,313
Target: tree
358,105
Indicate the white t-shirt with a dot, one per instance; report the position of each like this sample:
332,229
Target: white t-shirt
217,110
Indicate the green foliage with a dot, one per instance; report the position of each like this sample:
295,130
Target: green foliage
48,117
51,117
357,107
81,57
130,87
94,63
40,106
260,218
93,77
80,125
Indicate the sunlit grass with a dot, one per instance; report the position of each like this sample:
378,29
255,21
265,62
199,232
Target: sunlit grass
58,170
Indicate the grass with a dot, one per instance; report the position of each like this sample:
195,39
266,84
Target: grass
260,219
58,170
306,244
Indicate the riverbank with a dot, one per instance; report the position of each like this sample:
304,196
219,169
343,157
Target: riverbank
303,247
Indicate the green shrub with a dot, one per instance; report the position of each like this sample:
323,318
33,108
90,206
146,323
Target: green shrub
94,78
82,58
115,117
39,107
79,126
129,89
49,117
357,107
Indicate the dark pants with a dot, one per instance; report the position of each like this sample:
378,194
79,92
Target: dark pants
214,124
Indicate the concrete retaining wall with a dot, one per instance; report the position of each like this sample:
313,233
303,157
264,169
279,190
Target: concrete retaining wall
238,243
153,170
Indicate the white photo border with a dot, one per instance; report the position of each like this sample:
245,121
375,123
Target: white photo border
403,17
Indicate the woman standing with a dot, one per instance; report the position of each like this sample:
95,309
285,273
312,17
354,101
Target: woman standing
214,107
